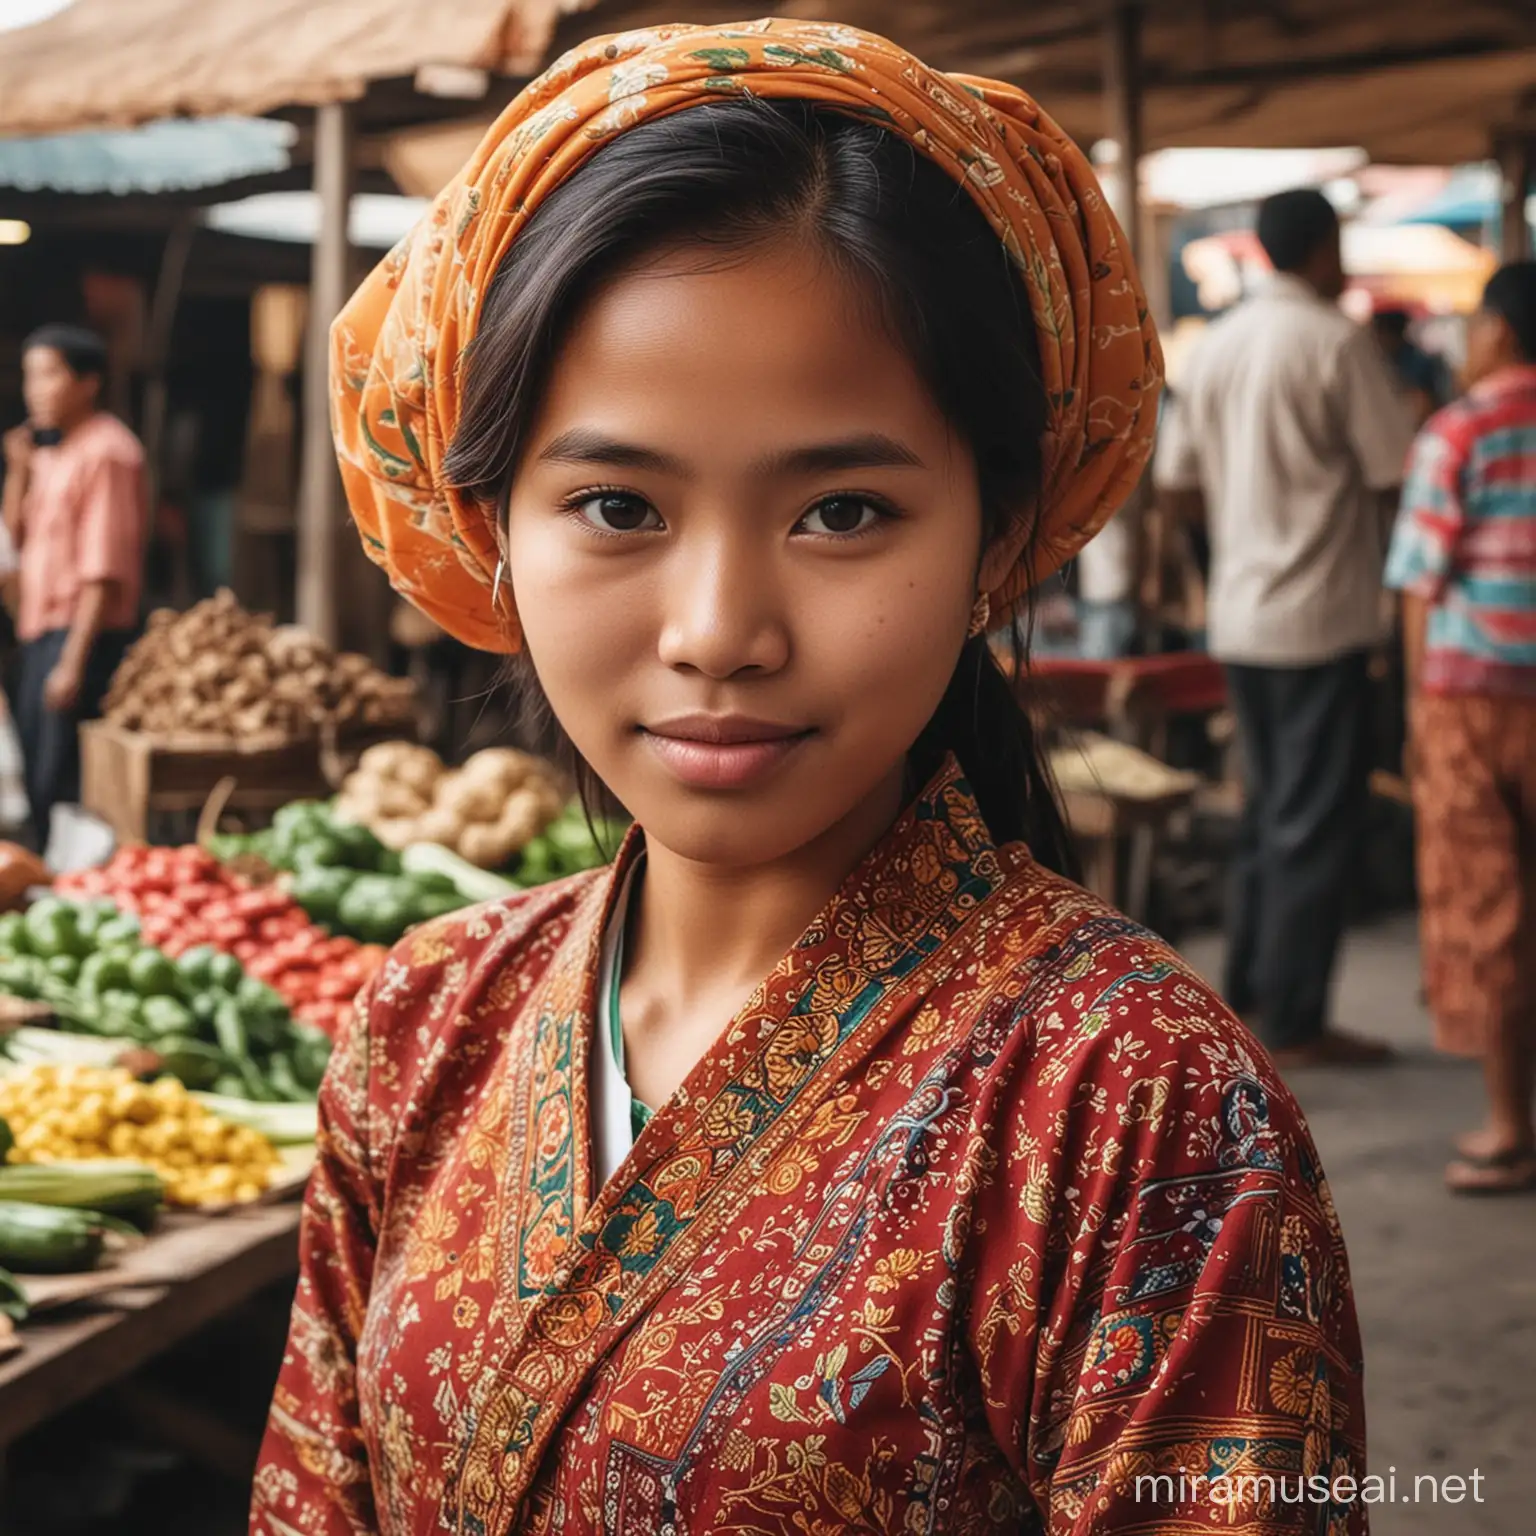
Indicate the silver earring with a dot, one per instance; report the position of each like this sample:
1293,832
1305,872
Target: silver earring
501,570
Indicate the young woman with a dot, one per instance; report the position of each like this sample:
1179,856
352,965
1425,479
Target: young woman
828,1163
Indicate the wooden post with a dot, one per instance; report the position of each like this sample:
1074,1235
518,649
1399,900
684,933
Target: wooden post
162,322
1122,113
1112,567
1514,153
320,500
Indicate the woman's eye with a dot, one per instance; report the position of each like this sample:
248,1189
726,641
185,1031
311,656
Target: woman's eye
617,512
842,515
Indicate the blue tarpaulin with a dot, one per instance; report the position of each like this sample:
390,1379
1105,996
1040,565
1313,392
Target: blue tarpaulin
170,156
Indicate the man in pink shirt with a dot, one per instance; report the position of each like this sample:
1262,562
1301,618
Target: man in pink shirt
75,506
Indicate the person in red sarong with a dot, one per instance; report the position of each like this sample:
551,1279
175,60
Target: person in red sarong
829,1162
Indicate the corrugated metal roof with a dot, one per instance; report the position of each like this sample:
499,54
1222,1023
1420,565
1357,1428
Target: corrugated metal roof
174,156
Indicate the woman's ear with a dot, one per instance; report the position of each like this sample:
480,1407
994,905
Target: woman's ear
1004,552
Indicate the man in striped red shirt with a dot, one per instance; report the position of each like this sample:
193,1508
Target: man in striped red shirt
1464,558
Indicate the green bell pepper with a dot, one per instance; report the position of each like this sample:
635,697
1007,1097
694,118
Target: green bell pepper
13,935
204,1006
433,904
378,908
65,967
363,850
106,971
166,1017
225,974
302,814
53,928
195,967
320,891
122,930
23,976
119,1011
153,975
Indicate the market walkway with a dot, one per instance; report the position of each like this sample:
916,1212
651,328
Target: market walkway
1446,1286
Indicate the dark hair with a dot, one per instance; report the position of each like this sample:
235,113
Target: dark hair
1511,295
83,351
735,173
1293,227
1392,322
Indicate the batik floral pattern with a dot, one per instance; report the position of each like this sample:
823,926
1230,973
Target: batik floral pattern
980,1215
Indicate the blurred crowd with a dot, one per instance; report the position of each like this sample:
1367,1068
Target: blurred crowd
1344,500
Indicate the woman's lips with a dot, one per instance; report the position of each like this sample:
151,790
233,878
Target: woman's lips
722,753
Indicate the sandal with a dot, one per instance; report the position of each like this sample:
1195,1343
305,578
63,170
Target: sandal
1511,1172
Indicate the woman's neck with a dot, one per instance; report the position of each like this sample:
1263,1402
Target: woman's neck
703,937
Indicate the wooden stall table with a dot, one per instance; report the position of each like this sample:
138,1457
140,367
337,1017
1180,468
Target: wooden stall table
194,1269
1133,698
1113,793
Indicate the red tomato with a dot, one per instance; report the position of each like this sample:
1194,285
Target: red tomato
195,864
245,950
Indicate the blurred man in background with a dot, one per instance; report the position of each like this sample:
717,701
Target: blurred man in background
1289,443
75,507
1421,377
1464,558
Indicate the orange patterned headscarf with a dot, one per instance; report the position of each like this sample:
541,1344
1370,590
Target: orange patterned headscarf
396,347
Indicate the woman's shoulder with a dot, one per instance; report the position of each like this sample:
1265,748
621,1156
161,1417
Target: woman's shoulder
1115,1026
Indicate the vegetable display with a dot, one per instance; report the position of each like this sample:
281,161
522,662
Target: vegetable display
217,670
487,811
131,1191
209,1022
64,1114
185,900
567,846
344,877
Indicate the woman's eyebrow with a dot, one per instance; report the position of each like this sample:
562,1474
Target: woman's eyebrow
586,445
864,450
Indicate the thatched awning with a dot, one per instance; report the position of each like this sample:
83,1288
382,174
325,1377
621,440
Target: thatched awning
1410,80
102,63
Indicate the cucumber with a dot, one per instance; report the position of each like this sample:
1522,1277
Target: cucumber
49,1240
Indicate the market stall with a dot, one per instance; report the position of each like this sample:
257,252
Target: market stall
167,1014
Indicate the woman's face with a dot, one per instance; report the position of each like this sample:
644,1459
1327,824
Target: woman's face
743,544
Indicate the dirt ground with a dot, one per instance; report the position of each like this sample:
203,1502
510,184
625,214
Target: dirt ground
1446,1286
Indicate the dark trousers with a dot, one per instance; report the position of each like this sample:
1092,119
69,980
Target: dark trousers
50,739
1305,735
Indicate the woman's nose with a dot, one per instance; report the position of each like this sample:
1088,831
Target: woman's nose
722,614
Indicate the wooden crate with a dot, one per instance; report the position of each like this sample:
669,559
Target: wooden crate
128,777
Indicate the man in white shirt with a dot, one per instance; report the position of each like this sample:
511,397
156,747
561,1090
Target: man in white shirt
1290,441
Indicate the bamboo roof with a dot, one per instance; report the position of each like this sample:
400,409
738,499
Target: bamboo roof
1410,80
